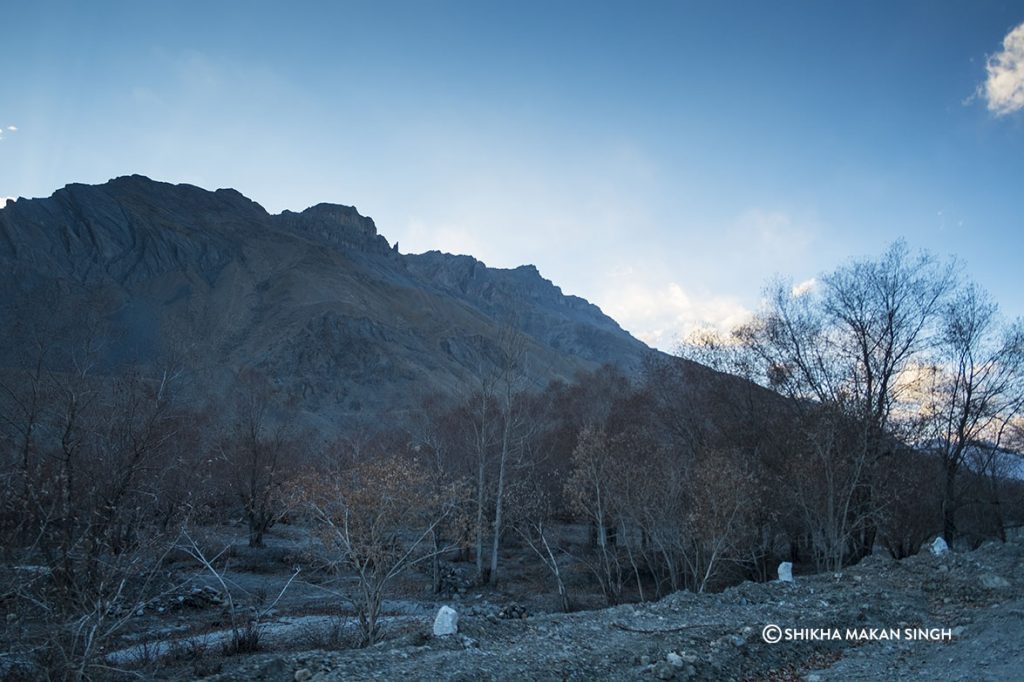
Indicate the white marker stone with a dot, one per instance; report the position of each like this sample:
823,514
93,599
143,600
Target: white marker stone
446,622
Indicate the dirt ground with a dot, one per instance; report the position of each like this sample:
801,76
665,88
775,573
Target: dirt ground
970,606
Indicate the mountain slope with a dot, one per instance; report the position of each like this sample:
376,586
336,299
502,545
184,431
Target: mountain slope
317,300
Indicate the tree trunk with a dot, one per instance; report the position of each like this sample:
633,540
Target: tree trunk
481,480
498,508
257,527
949,505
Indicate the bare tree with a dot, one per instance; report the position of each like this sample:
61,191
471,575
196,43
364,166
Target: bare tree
974,390
839,353
531,511
514,424
376,520
247,628
254,454
435,441
589,492
84,513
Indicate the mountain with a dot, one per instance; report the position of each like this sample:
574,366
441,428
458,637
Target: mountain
147,272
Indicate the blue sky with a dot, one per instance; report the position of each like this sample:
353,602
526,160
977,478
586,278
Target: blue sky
660,159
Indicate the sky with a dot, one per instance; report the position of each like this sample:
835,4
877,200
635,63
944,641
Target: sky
663,160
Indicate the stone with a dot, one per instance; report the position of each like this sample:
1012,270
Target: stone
675,660
664,671
993,582
303,674
274,670
446,622
938,547
786,572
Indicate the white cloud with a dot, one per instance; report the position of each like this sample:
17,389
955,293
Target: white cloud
13,129
664,314
1004,88
805,287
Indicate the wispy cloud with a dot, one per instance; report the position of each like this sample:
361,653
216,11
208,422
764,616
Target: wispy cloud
1004,88
8,130
13,129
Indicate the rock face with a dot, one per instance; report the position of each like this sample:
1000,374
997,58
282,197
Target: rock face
446,622
317,300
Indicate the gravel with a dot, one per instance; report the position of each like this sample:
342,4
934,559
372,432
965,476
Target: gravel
977,598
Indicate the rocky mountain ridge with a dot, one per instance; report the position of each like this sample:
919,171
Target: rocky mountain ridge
316,300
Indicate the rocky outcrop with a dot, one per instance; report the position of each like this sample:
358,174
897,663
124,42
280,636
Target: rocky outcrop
338,226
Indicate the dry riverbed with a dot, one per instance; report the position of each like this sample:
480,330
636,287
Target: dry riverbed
953,617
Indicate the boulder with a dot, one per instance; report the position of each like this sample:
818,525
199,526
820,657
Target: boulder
938,547
786,572
446,622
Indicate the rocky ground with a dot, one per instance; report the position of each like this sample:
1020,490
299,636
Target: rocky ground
976,597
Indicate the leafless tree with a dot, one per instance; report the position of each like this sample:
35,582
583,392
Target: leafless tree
974,390
82,509
376,520
839,353
255,452
531,513
435,441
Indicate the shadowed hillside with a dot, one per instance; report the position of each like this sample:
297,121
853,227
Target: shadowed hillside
149,272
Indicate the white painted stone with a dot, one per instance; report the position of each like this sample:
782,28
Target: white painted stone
446,622
938,546
786,572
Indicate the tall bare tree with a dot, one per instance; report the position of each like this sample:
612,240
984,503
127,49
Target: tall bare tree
839,352
515,427
254,454
974,390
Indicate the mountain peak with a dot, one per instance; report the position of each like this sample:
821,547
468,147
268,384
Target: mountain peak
338,225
